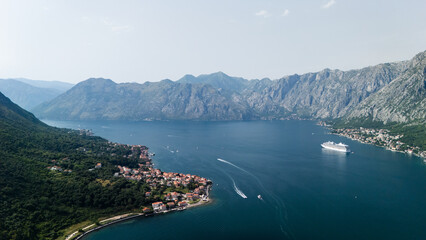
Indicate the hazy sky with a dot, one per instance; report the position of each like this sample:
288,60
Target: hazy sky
138,41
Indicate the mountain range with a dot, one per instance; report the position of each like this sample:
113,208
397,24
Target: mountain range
402,100
30,93
329,94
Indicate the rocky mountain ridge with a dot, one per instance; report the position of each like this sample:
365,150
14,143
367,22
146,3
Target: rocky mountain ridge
327,94
104,99
402,100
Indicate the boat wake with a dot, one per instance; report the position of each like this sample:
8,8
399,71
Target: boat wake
237,190
168,148
281,209
223,160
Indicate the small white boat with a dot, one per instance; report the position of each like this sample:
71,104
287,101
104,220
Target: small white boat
260,197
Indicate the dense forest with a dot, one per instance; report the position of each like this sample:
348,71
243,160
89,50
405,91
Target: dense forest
37,202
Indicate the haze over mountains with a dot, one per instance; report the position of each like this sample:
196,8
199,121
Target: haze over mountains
368,93
30,93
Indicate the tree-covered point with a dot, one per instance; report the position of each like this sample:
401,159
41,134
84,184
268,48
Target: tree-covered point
38,203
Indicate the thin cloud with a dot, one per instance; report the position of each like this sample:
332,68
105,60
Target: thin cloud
329,4
106,23
123,28
285,13
262,13
117,28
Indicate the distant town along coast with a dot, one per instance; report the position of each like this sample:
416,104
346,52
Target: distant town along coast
379,137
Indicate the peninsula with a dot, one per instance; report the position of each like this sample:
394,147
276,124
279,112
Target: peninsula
55,182
163,192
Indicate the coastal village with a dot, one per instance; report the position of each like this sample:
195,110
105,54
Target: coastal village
182,190
380,137
177,191
164,191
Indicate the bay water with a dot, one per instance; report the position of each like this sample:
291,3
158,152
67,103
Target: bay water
306,192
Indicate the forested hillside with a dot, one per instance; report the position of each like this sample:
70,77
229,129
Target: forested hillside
37,202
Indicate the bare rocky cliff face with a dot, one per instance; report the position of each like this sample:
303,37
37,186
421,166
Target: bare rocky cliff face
385,92
325,94
402,100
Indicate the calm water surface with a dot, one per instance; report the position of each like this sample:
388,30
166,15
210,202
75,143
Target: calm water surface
308,192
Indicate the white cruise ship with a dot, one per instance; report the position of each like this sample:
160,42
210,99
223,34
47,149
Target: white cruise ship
337,147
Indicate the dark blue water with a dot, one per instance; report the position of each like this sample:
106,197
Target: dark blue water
308,192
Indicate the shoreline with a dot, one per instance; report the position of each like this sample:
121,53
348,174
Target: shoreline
371,136
106,225
128,216
385,147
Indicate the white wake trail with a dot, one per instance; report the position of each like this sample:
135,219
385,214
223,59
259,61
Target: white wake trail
238,191
281,208
223,160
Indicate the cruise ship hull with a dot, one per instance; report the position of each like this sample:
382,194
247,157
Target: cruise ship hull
345,150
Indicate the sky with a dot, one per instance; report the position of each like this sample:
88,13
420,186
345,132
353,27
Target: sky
138,41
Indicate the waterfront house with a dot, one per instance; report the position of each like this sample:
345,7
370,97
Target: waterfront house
171,205
157,206
146,210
